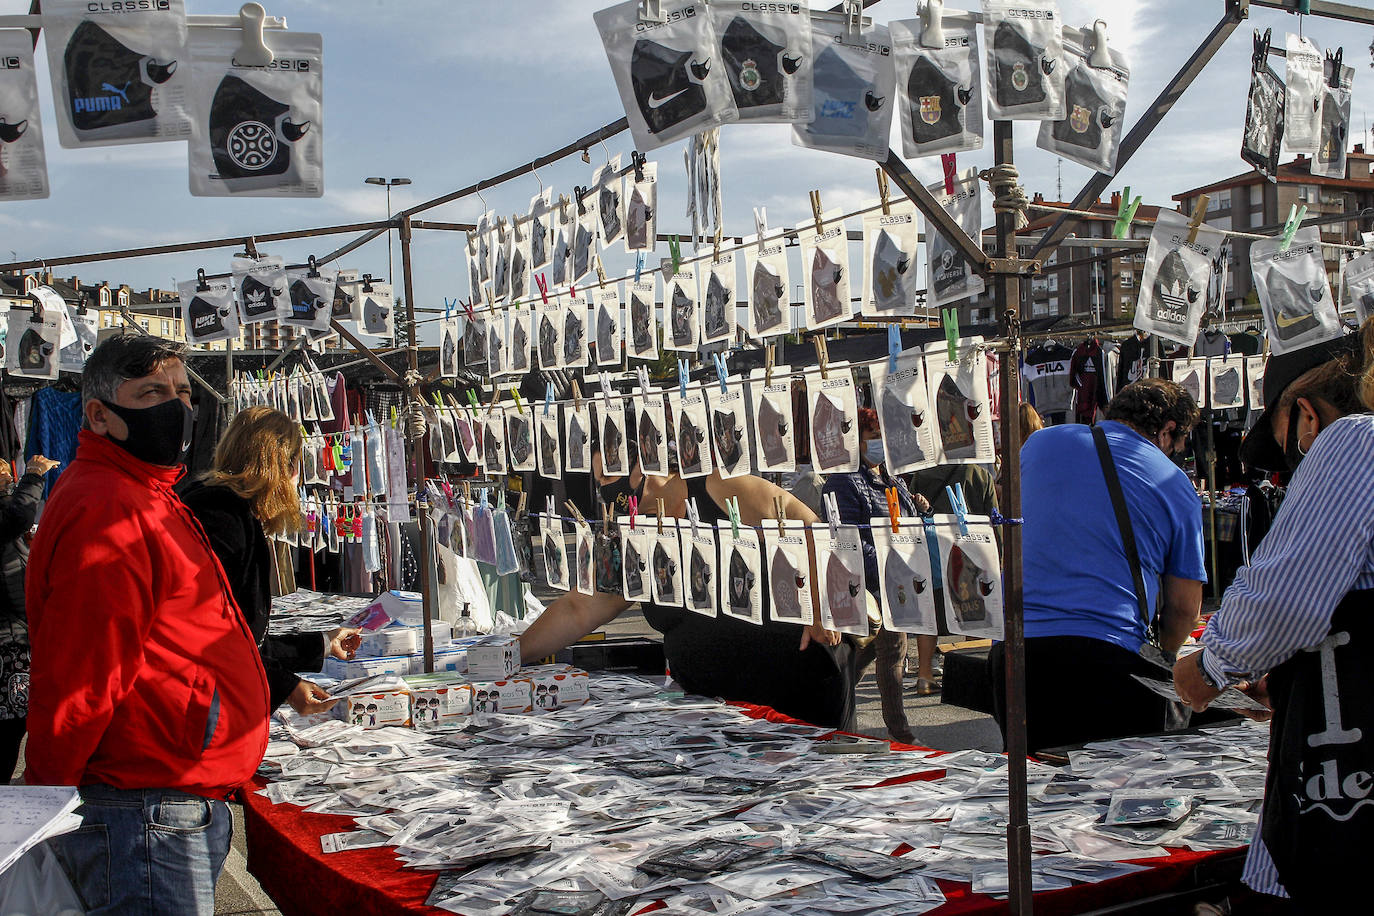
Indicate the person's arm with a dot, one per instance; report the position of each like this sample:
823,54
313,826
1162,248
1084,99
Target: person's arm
1181,612
19,510
569,618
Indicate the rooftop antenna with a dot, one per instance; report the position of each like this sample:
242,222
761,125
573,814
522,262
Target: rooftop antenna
1059,181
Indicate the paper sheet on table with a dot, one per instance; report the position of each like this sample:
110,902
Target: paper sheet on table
31,814
1230,698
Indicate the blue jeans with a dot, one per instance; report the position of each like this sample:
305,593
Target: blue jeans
146,851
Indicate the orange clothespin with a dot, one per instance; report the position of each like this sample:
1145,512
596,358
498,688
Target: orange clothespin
893,508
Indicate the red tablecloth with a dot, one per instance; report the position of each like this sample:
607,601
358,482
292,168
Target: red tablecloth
284,855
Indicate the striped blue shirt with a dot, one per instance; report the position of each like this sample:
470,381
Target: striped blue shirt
1320,547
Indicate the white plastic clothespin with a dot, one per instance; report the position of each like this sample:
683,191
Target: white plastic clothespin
761,224
932,30
644,379
605,389
253,52
651,11
854,16
832,514
693,516
1100,58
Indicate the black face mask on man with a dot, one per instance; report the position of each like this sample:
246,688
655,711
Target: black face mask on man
159,435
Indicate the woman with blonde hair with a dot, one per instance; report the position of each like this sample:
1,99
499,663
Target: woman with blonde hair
1031,421
248,495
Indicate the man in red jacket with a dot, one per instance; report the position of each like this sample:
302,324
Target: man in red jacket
146,689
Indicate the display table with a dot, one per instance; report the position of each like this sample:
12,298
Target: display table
284,855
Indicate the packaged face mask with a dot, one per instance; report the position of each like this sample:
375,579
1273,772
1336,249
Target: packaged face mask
665,565
501,252
585,240
520,440
765,276
115,73
548,335
834,431
1191,374
680,310
493,447
474,340
560,257
485,224
692,432
518,352
939,90
608,416
257,131
908,597
379,308
670,76
576,439
825,260
1359,286
262,289
550,456
641,341
840,566
538,229
607,324
1174,284
1227,387
32,343
73,355
1329,162
208,314
574,334
727,430
555,552
346,303
585,577
904,416
766,51
854,91
312,296
951,277
959,391
1254,380
609,188
651,432
1294,292
496,344
699,568
789,571
1302,95
971,572
1025,60
23,162
636,547
718,306
1265,114
773,432
891,249
741,592
641,225
1094,107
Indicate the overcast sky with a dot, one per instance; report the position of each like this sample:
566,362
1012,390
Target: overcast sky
446,92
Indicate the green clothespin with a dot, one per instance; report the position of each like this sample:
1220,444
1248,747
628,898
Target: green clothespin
1290,228
472,399
732,506
518,404
675,250
1125,213
950,319
438,401
393,417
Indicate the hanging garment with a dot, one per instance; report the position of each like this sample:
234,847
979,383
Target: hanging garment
1088,378
53,424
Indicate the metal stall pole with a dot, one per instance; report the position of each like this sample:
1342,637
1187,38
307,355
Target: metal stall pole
1008,293
415,448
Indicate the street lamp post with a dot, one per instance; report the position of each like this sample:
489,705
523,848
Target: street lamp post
388,184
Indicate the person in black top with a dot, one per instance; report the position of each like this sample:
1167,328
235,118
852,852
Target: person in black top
804,672
250,493
18,508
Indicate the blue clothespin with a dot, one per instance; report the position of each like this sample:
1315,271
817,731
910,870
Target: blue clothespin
894,346
956,502
732,506
639,265
1290,228
682,373
719,360
950,319
548,399
1125,213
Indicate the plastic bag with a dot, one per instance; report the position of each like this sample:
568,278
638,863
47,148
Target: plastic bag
520,439
773,427
825,264
832,406
379,307
1359,285
670,78
692,432
1177,274
36,885
311,294
1095,104
651,431
608,324
257,131
951,277
939,90
765,273
1302,95
550,456
854,91
891,253
741,592
35,335
505,544
261,288
718,305
681,327
1294,292
903,404
727,430
1262,141
207,310
23,162
1025,60
959,391
641,206
1329,162
539,229
115,73
554,548
766,51
641,340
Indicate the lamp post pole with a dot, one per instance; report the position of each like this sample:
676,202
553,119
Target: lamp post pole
388,184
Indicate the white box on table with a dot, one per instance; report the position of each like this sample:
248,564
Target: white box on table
436,699
379,709
403,607
555,689
389,641
501,695
494,658
341,670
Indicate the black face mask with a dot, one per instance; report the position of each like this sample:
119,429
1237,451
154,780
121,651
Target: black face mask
616,495
159,435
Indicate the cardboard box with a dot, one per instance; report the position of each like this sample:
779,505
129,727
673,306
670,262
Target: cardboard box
501,695
557,689
379,709
341,670
389,641
436,699
403,607
494,658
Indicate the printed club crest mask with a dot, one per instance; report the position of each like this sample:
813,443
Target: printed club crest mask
766,51
1025,66
1094,105
940,89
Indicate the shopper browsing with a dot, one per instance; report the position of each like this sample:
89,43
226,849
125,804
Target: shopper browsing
147,691
1090,609
251,492
1297,623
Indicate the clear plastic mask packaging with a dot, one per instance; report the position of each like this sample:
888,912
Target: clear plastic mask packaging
23,161
854,91
939,90
1025,60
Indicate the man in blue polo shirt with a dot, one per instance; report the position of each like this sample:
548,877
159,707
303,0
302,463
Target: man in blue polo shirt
1083,620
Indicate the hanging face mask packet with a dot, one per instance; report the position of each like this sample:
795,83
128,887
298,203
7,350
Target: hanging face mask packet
449,337
1227,386
574,321
951,277
493,431
312,297
1173,286
718,303
258,131
766,281
854,91
641,206
891,253
787,562
1265,113
550,455
262,289
584,578
766,51
34,339
670,76
641,341
840,568
727,430
908,427
549,334
73,355
345,295
577,422
959,391
1359,286
1191,375
651,431
825,260
1025,60
474,340
692,432
608,419
908,596
379,306
741,592
1094,106
971,571
773,427
1329,162
832,408
609,187
23,162
518,347
520,440
207,310
680,310
554,550
939,90
636,549
665,564
120,71
501,252
607,324
1302,95
585,240
1294,292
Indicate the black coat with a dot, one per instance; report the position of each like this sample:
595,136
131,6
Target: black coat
246,555
17,511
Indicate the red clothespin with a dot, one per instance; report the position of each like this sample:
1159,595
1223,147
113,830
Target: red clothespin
893,508
543,285
467,307
634,511
572,290
949,162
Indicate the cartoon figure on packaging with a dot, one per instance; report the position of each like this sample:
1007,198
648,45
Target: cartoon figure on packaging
541,697
480,701
371,714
